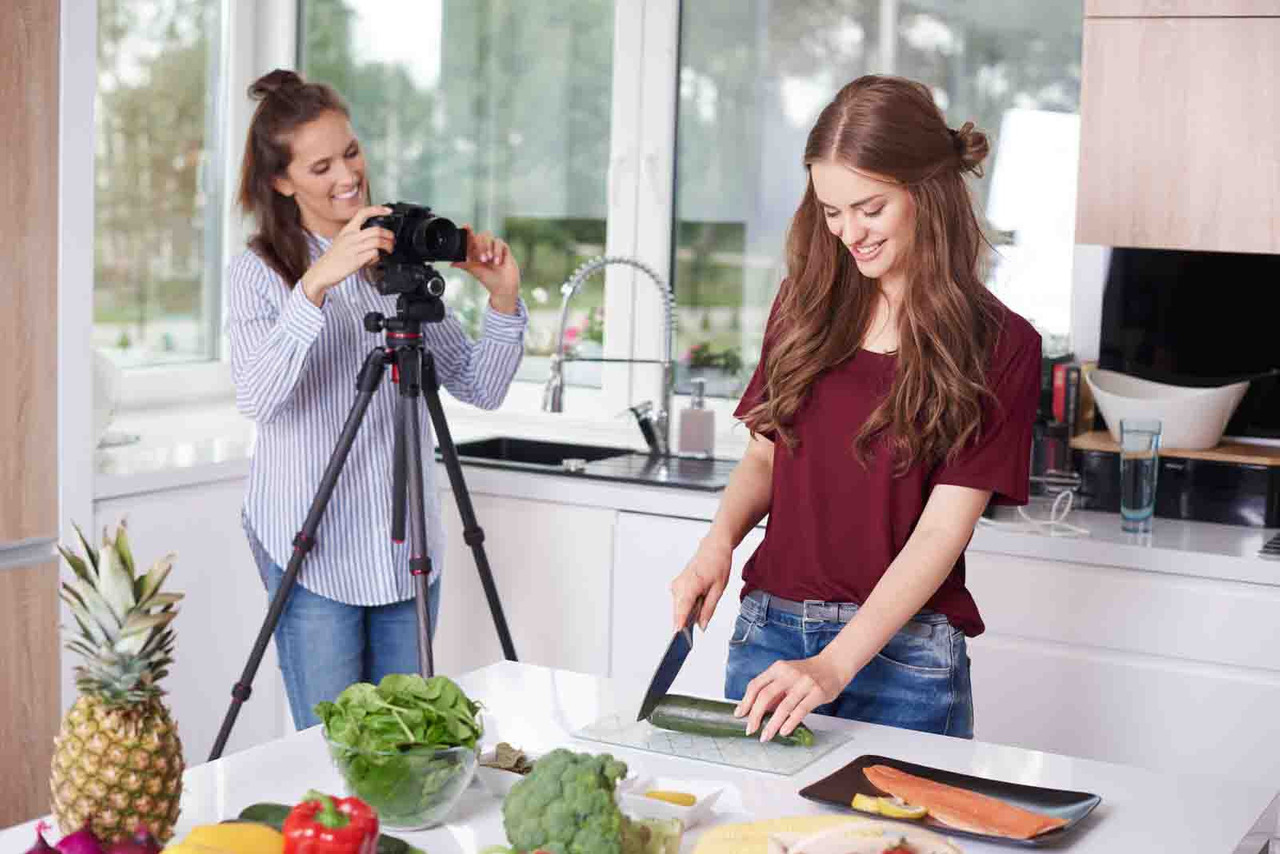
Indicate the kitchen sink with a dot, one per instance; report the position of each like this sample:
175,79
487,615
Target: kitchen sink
506,449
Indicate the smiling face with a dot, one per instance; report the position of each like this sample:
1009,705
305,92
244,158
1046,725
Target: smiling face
872,216
326,175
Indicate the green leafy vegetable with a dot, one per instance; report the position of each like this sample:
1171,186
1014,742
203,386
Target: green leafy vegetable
386,741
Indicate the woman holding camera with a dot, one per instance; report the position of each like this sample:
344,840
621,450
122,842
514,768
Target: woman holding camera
298,296
894,398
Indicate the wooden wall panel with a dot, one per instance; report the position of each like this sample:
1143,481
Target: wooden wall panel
29,270
1179,122
29,645
28,688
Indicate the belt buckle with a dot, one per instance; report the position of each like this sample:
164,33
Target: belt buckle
822,609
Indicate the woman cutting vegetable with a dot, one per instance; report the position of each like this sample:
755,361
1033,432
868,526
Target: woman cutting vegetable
893,399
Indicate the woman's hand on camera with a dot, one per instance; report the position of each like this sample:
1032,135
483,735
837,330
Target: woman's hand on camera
704,578
490,261
354,247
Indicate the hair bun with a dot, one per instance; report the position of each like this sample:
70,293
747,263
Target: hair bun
281,79
971,147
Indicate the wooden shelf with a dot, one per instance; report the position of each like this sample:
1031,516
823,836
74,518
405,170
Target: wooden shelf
1225,452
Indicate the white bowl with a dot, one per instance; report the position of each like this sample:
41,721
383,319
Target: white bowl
497,781
1191,418
634,802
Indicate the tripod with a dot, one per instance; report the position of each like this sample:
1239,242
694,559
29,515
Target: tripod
413,370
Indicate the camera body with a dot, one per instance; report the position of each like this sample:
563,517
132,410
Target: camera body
421,237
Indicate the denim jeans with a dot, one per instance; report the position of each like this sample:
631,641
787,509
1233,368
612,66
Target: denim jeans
324,646
920,680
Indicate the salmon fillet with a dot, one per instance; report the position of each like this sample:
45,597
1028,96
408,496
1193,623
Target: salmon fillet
960,808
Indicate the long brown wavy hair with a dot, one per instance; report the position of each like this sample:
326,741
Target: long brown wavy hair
948,320
285,103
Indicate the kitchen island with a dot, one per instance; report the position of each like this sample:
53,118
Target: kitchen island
539,708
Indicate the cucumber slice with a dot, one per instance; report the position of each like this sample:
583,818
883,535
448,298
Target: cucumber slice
699,716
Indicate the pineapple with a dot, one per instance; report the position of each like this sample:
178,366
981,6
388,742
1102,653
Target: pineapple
117,761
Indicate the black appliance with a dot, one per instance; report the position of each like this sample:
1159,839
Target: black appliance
1194,319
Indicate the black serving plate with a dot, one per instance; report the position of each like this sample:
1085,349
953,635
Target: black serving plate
839,787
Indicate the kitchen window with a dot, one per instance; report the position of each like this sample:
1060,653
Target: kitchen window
666,130
494,114
753,77
158,191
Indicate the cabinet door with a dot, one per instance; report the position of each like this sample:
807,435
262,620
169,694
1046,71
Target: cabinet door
1161,671
1179,121
651,551
550,563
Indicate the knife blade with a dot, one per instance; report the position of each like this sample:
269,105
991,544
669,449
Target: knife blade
669,667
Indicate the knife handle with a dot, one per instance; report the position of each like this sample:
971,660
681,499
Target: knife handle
694,612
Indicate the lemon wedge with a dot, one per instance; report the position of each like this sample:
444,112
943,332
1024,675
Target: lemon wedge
898,808
680,799
866,803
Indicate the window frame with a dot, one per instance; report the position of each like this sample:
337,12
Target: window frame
258,36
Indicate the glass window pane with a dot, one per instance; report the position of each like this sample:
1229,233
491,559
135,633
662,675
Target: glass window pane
494,113
753,77
157,195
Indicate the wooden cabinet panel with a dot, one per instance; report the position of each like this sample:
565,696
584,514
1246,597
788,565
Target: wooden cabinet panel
28,688
29,271
1180,8
1179,122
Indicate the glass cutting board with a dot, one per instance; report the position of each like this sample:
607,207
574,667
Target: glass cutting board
739,752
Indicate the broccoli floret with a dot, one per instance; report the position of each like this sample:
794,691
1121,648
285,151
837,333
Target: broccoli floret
566,806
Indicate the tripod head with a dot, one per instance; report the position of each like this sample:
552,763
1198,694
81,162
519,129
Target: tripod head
420,288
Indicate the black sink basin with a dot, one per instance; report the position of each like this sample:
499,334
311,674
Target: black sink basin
534,452
595,462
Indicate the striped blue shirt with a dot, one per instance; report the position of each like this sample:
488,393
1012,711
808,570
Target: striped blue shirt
294,367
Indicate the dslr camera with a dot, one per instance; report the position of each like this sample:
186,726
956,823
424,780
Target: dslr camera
421,238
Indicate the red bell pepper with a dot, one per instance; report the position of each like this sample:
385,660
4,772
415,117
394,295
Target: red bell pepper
322,824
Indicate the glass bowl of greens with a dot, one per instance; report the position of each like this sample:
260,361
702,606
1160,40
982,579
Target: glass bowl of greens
407,747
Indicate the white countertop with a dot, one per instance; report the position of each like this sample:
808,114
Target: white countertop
537,709
192,446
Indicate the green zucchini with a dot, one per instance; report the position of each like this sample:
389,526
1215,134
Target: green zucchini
274,815
697,716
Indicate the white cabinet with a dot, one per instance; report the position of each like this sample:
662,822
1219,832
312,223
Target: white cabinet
551,564
651,551
1161,671
218,619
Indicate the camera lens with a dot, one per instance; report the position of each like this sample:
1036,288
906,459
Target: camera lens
439,239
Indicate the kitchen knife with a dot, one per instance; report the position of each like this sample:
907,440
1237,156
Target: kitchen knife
669,666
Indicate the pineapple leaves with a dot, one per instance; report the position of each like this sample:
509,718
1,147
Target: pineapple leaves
115,582
77,564
88,549
123,551
154,578
123,622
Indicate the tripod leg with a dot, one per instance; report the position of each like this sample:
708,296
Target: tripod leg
366,384
397,475
419,556
472,533
409,439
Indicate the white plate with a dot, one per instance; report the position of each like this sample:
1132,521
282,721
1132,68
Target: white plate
634,802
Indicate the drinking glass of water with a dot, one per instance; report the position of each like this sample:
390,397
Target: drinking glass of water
1139,459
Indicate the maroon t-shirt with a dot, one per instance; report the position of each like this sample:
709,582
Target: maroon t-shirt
834,525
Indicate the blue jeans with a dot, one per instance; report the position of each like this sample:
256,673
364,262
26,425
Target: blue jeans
324,646
920,680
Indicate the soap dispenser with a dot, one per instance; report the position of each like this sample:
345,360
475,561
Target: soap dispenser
697,423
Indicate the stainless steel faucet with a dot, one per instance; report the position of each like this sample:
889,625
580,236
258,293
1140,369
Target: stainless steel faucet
656,426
